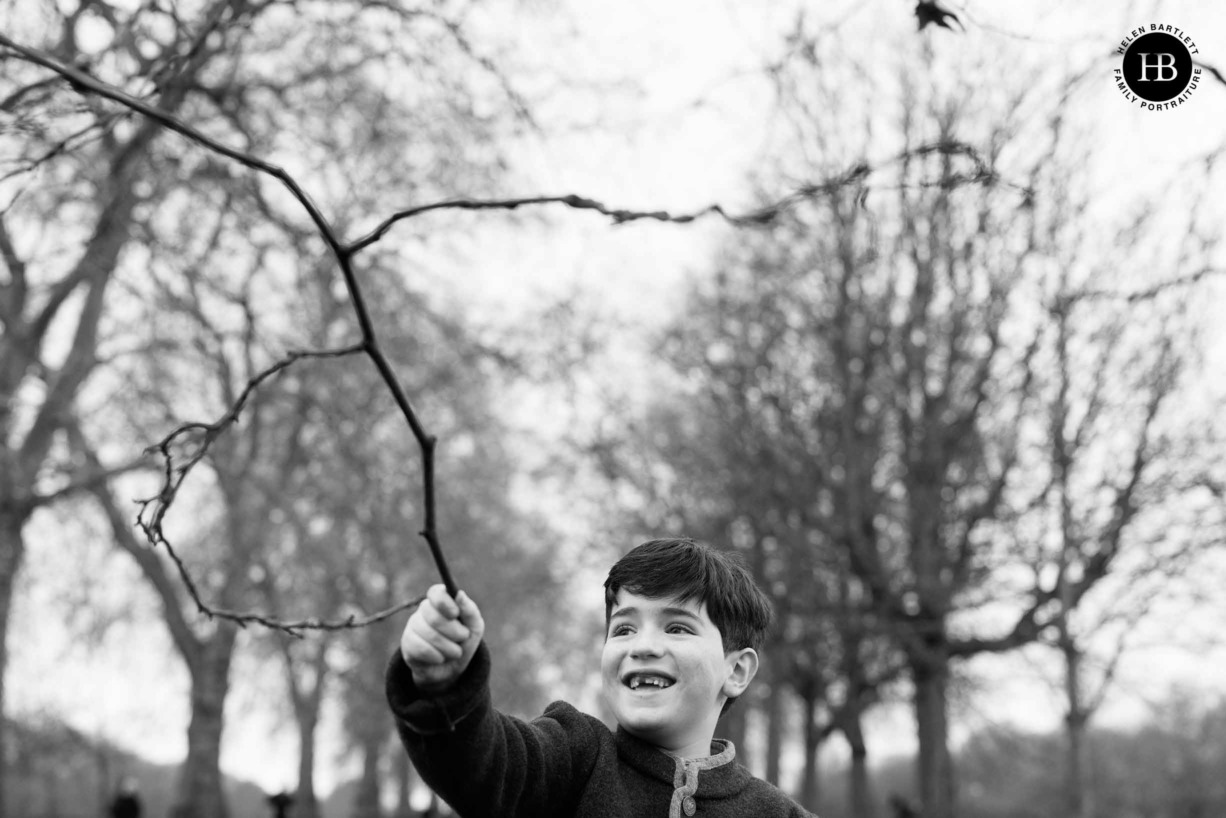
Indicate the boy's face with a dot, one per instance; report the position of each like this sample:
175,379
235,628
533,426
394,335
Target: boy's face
665,674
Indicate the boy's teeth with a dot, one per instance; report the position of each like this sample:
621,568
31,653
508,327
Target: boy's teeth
638,681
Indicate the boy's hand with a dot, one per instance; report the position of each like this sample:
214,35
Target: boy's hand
440,638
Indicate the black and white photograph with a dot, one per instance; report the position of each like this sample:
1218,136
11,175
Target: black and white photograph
544,409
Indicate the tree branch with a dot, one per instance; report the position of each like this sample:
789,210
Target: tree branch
296,627
198,437
97,475
1150,292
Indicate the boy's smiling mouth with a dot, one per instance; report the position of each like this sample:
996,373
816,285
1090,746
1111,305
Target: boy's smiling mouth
647,681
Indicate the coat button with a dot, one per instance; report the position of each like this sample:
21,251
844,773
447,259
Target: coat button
689,805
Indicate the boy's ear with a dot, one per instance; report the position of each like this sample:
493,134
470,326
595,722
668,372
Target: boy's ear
742,667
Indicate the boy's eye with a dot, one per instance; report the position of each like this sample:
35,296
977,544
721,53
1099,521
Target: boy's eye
619,630
679,629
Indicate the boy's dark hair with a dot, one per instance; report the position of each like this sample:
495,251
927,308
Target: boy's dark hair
690,570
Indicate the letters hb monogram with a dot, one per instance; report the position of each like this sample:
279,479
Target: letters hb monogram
1164,63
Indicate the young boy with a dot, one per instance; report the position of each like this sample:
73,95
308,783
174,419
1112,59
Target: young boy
683,626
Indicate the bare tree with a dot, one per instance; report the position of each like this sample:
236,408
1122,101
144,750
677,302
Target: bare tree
95,160
733,455
874,369
258,79
1118,465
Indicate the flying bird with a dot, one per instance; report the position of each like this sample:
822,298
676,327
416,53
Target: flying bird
930,11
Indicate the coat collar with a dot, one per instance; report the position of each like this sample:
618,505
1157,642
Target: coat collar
718,776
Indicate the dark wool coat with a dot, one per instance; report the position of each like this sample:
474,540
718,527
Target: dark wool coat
564,764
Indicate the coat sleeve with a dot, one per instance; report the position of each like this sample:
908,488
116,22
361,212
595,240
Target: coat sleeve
485,763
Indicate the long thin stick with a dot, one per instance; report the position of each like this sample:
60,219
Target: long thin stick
201,435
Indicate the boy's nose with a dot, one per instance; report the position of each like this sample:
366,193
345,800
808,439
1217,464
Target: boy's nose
646,643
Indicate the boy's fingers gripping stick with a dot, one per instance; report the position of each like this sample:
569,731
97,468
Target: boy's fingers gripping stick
441,637
442,601
427,643
445,621
421,643
470,616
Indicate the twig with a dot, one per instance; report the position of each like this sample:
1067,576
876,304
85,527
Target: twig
199,437
97,475
981,174
1149,292
296,627
151,522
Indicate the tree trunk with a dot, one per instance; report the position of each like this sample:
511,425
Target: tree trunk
860,794
810,782
1080,804
1078,716
851,714
12,548
200,793
102,766
306,804
404,786
1078,789
200,790
366,798
774,731
306,693
935,767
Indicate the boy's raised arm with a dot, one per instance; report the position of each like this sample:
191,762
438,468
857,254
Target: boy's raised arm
440,639
482,762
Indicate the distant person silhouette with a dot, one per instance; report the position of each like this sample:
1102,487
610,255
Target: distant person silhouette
280,804
126,803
